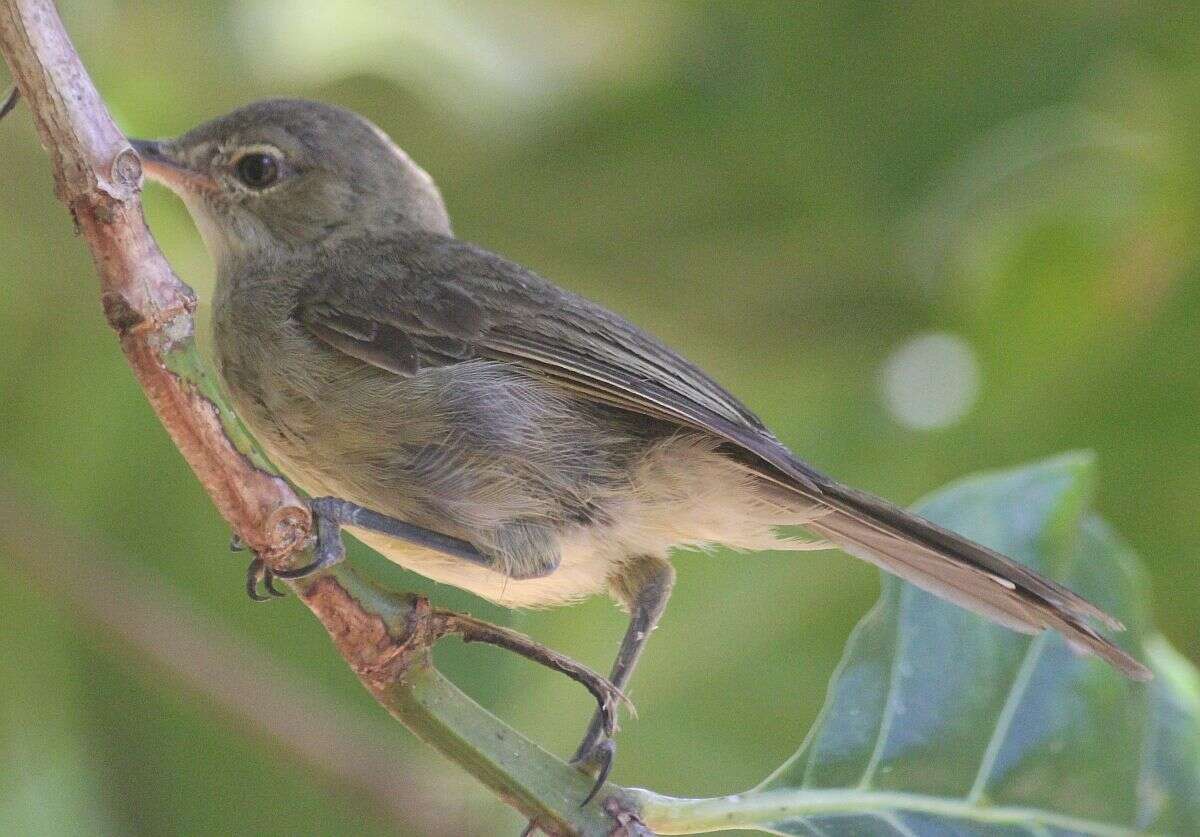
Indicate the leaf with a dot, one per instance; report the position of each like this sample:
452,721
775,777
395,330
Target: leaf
938,722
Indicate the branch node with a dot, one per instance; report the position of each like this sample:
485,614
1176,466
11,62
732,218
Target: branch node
127,172
121,316
364,639
286,531
628,822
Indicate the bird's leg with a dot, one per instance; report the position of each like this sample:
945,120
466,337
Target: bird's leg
332,513
644,586
471,629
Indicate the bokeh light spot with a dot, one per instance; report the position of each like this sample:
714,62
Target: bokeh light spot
931,381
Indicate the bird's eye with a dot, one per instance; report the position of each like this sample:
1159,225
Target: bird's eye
258,170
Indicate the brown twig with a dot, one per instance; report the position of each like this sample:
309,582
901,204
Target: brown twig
476,630
98,175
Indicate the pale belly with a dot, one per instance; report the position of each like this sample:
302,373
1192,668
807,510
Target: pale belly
684,497
583,571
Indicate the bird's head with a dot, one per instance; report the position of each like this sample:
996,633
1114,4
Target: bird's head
285,174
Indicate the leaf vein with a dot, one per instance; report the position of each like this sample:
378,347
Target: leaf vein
889,711
1009,711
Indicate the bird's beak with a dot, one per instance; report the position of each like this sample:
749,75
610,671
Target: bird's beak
162,165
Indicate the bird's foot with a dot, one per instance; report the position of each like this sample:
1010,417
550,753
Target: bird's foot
327,548
259,573
608,697
597,761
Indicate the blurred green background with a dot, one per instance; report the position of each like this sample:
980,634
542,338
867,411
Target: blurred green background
920,242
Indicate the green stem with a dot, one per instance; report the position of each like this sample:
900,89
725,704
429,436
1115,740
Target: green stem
501,758
765,809
522,773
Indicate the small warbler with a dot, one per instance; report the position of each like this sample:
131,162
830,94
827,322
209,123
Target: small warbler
479,425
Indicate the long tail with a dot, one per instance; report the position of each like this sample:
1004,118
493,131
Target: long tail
970,575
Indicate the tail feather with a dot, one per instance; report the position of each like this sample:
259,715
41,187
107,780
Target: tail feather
970,575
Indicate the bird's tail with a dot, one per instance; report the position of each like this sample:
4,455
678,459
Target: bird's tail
970,575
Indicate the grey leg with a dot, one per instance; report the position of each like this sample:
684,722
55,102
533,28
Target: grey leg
332,513
644,586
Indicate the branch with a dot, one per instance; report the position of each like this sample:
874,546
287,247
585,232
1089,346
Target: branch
385,638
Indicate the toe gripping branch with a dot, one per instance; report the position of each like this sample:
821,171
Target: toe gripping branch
330,515
257,573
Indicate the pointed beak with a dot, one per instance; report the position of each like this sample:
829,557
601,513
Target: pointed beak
162,165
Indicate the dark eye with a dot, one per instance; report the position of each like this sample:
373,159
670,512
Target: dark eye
257,169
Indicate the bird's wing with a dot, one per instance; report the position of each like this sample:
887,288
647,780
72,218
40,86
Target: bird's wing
468,303
446,301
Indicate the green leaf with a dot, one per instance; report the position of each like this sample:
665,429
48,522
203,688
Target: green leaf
938,722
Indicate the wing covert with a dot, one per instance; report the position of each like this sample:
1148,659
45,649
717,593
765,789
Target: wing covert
450,301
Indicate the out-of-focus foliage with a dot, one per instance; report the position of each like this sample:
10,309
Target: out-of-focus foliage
919,242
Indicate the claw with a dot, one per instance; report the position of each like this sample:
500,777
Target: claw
269,585
600,758
255,573
259,573
300,572
236,544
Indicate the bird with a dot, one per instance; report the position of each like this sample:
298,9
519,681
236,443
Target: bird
488,429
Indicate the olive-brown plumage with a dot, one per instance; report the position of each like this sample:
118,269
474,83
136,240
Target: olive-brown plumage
381,360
